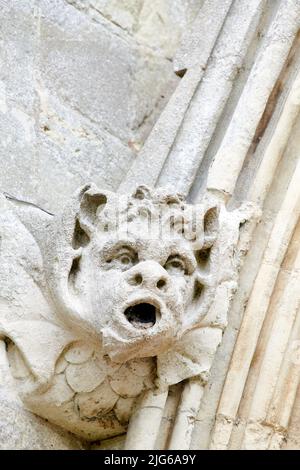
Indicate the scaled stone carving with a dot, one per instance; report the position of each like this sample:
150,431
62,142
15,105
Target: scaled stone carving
117,295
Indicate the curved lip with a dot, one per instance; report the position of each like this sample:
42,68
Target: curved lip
146,299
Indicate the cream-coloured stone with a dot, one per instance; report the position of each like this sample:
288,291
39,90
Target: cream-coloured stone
125,296
252,103
60,392
232,125
85,377
79,353
67,417
17,364
21,429
186,414
124,408
61,365
99,401
142,367
126,384
149,409
111,366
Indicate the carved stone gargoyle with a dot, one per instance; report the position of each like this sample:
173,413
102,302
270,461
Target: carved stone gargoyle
116,295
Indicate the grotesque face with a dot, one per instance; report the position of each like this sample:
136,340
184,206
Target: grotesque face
140,287
135,275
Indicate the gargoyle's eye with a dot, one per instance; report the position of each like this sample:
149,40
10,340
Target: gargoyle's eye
124,259
175,265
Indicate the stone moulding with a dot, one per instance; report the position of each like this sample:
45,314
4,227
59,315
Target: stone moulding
115,296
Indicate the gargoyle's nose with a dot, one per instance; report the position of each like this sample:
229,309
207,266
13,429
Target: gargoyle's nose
150,275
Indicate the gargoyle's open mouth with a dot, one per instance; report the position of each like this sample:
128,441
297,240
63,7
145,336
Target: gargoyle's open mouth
142,315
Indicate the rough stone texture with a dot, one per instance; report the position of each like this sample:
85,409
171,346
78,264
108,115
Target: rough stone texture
157,24
78,96
81,86
114,310
31,432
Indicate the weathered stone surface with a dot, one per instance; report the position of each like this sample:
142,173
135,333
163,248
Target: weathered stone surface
109,300
75,100
158,24
125,384
20,429
79,353
100,401
85,377
141,368
124,409
81,84
59,392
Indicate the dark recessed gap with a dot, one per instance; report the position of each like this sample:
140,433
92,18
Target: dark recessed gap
7,342
172,201
161,284
203,257
141,193
181,73
141,315
198,289
74,269
138,279
80,238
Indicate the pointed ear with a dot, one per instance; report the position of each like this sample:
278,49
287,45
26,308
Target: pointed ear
91,203
210,226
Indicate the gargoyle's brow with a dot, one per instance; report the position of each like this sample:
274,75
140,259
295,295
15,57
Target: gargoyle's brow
115,244
184,252
189,257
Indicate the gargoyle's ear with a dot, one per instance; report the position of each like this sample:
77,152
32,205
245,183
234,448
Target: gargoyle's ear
210,227
91,203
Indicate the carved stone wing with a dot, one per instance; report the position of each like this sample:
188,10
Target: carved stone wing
26,316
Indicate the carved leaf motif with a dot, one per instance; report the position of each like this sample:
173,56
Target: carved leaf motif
87,376
59,392
41,347
141,367
61,365
126,384
111,366
26,316
67,416
101,400
79,353
91,390
123,409
192,356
